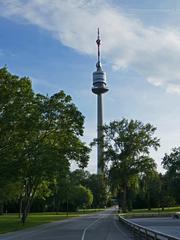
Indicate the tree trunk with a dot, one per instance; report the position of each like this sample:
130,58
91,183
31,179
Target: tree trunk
1,208
20,207
148,200
129,199
124,203
25,210
30,190
129,205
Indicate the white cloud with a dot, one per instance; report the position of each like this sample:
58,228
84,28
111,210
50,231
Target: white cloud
152,52
155,81
173,88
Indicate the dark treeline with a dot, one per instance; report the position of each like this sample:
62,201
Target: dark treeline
39,138
80,190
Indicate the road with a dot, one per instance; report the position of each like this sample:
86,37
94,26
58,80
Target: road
165,225
99,226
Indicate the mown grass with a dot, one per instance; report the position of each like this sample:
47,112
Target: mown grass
155,210
152,212
11,222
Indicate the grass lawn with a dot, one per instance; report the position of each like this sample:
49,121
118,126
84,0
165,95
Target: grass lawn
11,222
153,211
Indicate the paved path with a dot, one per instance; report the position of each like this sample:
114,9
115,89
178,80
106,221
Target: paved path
99,226
166,225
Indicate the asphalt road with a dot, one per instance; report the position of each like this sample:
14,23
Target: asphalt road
166,225
99,226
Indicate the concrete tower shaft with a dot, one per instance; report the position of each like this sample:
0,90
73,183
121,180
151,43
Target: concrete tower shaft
99,87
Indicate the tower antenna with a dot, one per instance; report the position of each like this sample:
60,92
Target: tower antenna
98,41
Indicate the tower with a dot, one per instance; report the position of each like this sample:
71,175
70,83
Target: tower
99,88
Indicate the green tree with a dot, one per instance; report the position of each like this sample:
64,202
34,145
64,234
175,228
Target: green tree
98,186
39,135
150,187
15,94
171,163
127,145
8,192
59,127
80,197
70,195
80,176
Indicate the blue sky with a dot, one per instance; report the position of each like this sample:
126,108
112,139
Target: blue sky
53,42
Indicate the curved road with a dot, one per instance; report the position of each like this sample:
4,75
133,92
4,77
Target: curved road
99,226
165,225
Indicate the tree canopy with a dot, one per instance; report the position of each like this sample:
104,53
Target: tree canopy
127,145
171,163
39,135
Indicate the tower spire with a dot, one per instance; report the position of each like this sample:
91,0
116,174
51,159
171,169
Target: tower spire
98,41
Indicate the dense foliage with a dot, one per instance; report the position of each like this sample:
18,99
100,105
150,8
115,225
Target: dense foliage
39,137
171,163
127,145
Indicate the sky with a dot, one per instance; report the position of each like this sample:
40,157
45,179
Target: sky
53,43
